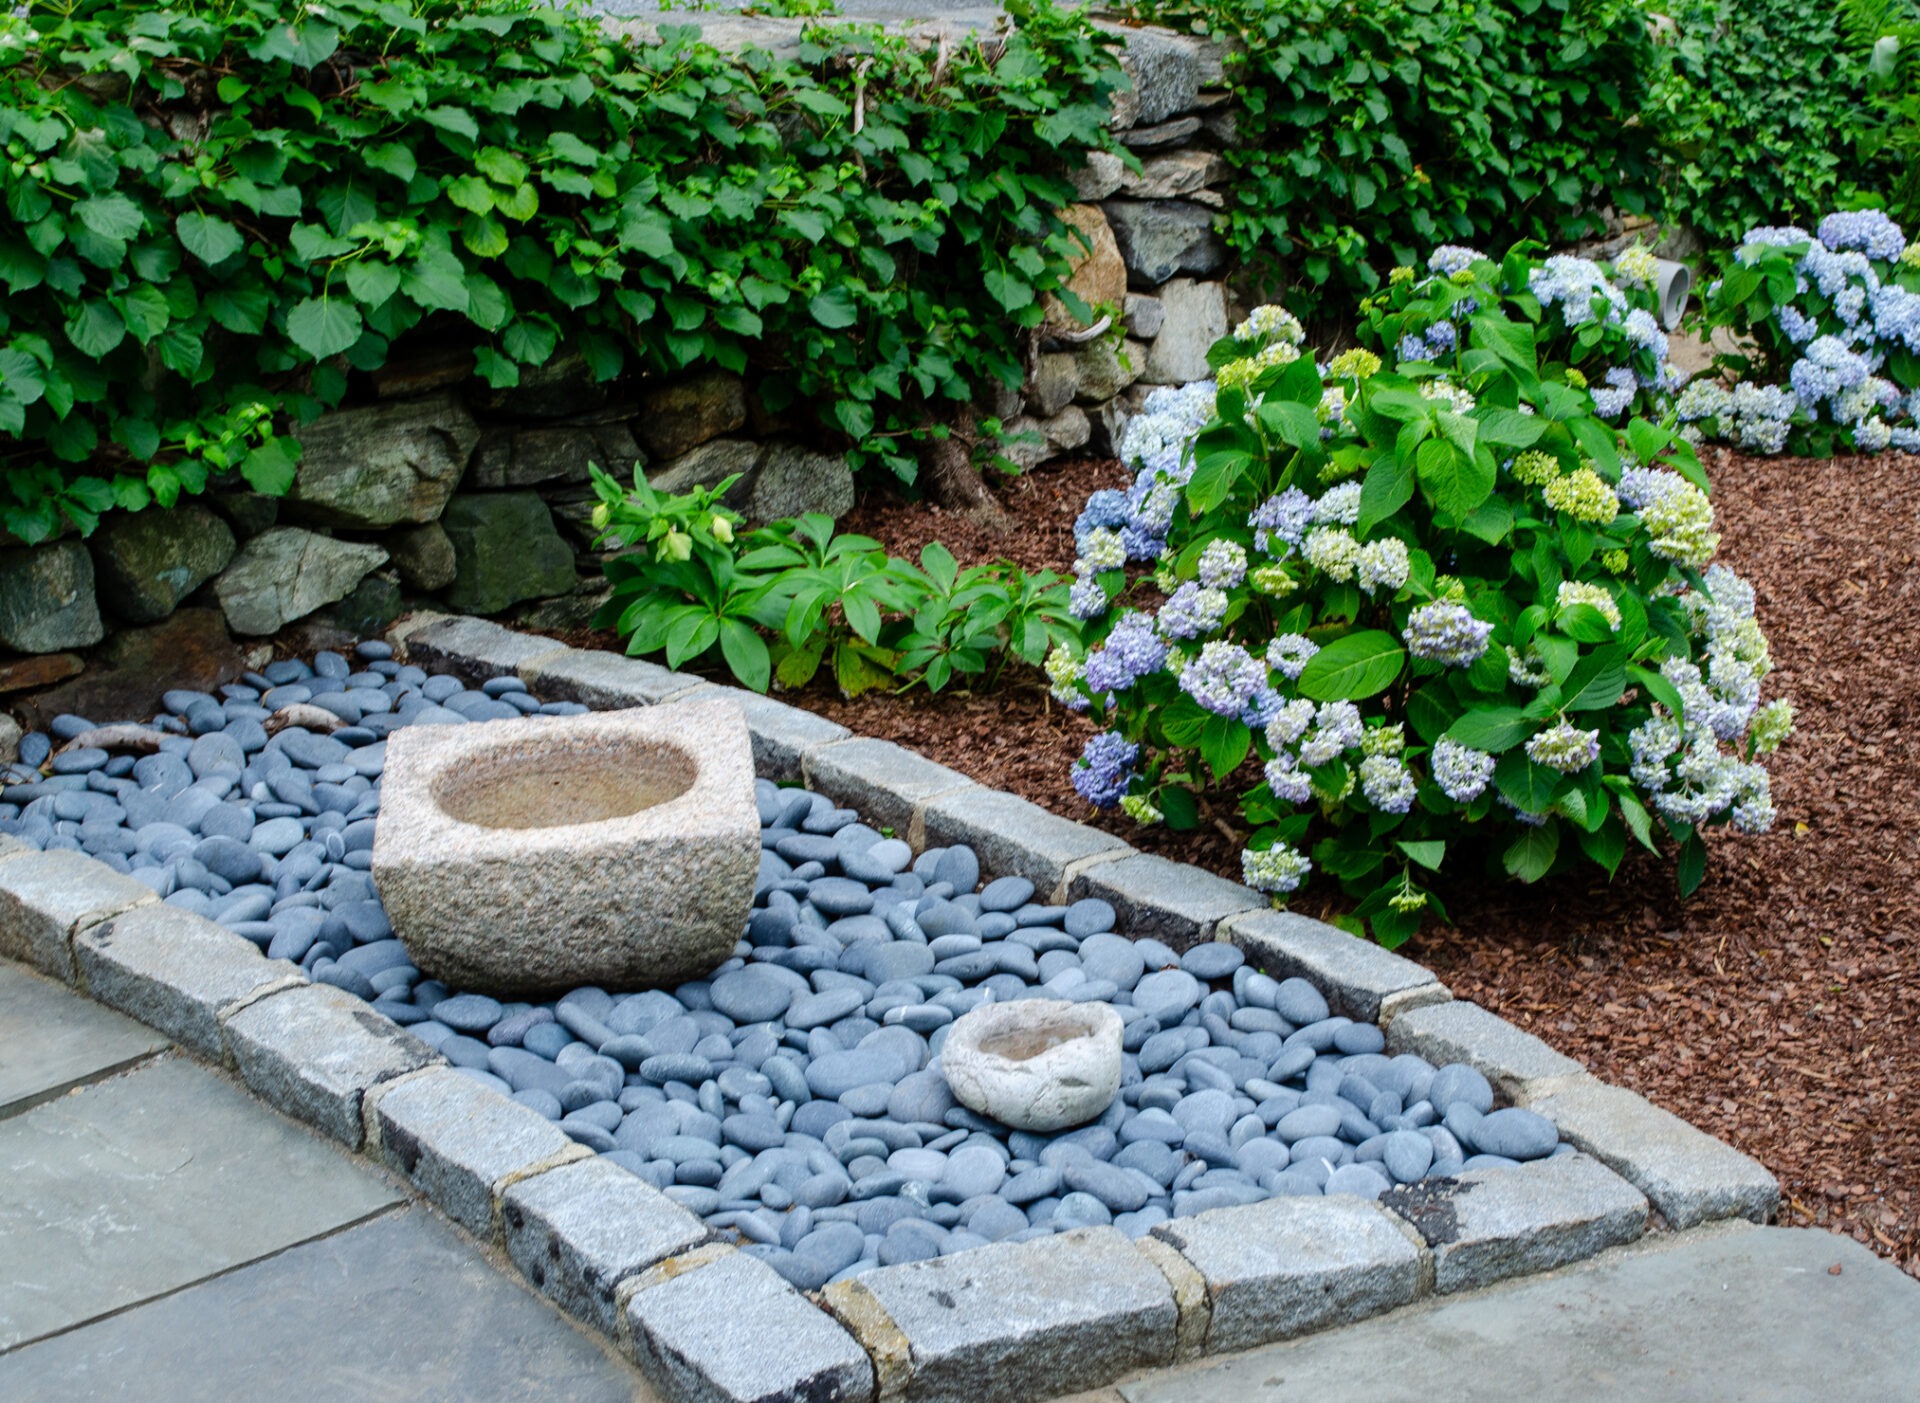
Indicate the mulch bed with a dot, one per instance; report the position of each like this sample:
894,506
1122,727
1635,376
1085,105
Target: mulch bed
1776,1009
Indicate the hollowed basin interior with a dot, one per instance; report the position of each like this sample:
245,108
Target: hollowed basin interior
1025,1044
562,784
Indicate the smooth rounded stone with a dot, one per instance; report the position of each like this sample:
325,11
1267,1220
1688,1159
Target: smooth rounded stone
959,867
1081,1210
1209,1111
1308,1122
834,1075
831,1247
995,1219
823,1190
882,961
947,946
1121,1190
546,1039
351,980
1167,994
753,1133
277,836
1036,1065
1261,1157
922,1018
1359,1038
1299,1002
1458,1084
1213,959
1516,1134
469,1013
1112,958
1407,1155
1314,1148
972,1171
1153,1124
545,1102
1089,916
840,896
922,1097
754,994
79,762
224,820
228,859
868,1102
927,1166
1359,1180
911,1240
676,1066
946,918
1005,894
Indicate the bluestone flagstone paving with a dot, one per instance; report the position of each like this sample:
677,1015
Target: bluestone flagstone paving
50,1040
151,1181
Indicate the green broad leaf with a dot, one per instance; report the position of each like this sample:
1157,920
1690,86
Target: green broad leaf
1488,672
324,326
1528,785
1295,424
239,309
797,668
1224,743
834,308
1214,479
1600,444
1494,729
472,194
146,311
1428,712
111,216
1010,289
863,616
1180,806
746,654
1427,853
1691,870
393,159
1597,680
1359,665
371,282
95,328
1453,481
1392,929
1584,624
208,237
1387,487
1509,428
269,467
1512,341
453,120
1532,854
1606,847
483,236
691,633
1491,521
1637,817
1661,690
501,166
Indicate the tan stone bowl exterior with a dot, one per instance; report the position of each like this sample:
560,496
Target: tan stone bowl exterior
617,848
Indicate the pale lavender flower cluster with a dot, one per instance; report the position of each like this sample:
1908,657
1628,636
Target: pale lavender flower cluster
1192,610
1389,786
1224,678
1289,654
1105,768
1284,518
1223,564
1132,651
1461,771
1445,632
1449,259
1869,231
1563,746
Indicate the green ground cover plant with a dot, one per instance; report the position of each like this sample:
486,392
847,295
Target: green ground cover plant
780,602
215,213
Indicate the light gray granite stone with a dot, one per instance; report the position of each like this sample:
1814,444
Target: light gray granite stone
1013,837
887,783
1292,1265
1015,1321
604,681
316,1051
1689,1176
1490,1224
473,649
1356,975
46,897
783,736
1170,901
176,971
52,1039
718,1326
1459,1031
459,1142
578,1231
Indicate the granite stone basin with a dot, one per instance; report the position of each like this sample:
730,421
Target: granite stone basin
617,848
1035,1064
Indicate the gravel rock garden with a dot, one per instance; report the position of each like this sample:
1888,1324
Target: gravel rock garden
794,1098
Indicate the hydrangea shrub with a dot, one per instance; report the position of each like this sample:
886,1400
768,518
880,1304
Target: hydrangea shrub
1402,603
1834,320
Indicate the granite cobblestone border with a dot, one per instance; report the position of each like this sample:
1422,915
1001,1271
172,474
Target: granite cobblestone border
1010,1321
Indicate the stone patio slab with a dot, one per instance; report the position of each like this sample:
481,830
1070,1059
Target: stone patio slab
1755,1314
150,1182
51,1039
398,1310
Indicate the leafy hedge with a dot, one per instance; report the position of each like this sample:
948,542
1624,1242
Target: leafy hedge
1761,109
213,216
1374,130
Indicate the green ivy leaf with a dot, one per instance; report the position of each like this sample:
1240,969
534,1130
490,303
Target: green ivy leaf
1528,785
834,308
1359,665
208,237
95,328
372,282
111,216
324,326
1532,854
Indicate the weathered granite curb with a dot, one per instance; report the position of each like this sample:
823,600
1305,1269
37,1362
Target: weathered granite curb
1012,1321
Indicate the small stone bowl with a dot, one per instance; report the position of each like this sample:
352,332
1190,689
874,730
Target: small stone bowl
1035,1064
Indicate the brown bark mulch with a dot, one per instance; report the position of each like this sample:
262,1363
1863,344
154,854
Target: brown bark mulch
1779,1008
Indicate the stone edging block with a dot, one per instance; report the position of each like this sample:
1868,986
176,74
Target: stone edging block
1691,1177
1490,1224
315,1052
1015,1321
1460,1031
719,1326
177,972
1360,979
783,736
472,648
47,897
887,783
604,681
1170,901
577,1232
1288,1266
1014,837
461,1143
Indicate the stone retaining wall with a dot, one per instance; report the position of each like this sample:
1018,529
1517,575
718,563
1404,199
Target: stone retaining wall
440,490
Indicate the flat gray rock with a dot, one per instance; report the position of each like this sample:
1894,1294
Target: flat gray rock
150,1182
51,1039
398,1310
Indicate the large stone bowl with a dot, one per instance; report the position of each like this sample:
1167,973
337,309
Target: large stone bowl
617,848
1035,1064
